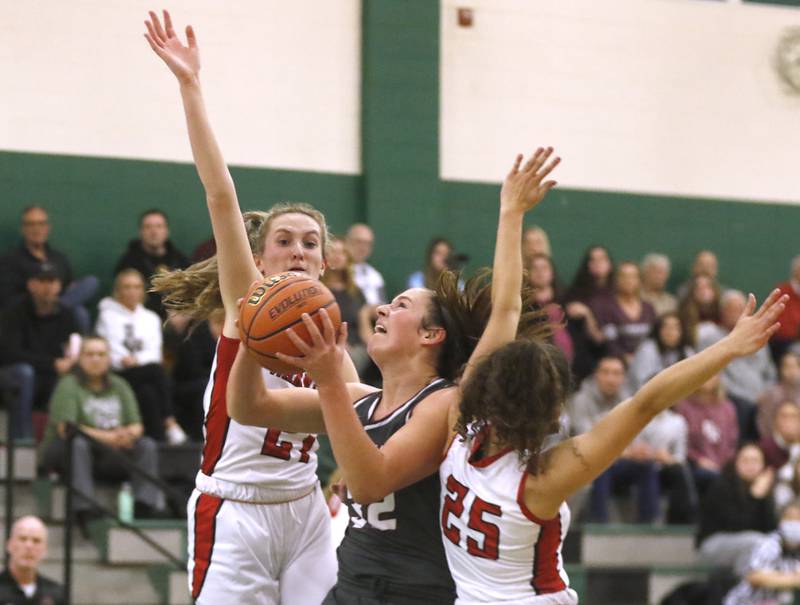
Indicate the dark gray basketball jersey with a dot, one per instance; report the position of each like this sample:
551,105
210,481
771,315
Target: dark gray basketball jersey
397,539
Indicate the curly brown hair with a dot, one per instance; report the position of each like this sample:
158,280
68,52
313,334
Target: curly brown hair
194,291
519,391
463,311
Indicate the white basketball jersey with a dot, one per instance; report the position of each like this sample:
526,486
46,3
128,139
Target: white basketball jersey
247,463
497,550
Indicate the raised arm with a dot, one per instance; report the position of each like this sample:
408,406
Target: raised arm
578,461
237,270
522,190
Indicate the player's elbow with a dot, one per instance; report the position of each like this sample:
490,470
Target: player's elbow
365,494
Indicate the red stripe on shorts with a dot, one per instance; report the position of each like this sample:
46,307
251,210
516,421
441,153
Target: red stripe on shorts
217,419
205,525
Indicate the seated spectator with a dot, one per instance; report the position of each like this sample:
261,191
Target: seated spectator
152,252
353,307
20,582
104,407
772,573
624,318
745,378
21,262
738,511
782,446
597,396
548,294
787,389
34,345
437,259
700,305
655,269
360,243
668,344
789,332
713,432
592,280
535,242
134,336
190,375
705,263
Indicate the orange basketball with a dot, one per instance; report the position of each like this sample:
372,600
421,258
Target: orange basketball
277,303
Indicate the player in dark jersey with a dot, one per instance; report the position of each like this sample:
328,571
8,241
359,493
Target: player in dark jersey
389,444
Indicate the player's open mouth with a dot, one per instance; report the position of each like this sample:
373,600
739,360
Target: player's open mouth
379,329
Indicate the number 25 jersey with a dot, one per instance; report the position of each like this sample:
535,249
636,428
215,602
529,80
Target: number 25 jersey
497,550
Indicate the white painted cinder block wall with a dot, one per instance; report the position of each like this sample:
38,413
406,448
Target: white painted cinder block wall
281,80
662,96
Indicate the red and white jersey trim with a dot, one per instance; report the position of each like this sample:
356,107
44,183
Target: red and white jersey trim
497,550
246,463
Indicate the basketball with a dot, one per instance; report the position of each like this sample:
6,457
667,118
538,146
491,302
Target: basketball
277,303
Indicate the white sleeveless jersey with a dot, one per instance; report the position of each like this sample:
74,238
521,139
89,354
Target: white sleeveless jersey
497,550
246,463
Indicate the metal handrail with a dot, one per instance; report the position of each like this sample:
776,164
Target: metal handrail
71,432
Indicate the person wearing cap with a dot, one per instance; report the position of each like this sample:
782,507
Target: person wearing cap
20,582
20,262
34,338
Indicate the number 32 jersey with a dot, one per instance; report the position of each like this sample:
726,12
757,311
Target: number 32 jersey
250,463
396,539
497,550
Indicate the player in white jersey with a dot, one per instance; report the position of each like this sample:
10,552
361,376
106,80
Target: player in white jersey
259,531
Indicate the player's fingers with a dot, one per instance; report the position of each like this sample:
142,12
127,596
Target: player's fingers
549,168
168,25
342,334
157,26
532,160
152,37
298,342
313,330
515,167
295,361
768,302
153,45
328,333
191,39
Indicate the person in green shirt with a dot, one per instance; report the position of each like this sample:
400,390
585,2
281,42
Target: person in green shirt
105,408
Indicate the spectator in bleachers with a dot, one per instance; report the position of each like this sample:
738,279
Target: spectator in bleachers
190,375
668,344
655,269
786,389
104,407
737,511
34,345
152,252
745,378
135,340
597,396
624,318
534,242
20,582
360,243
548,294
781,447
705,263
34,249
787,485
700,305
353,307
789,331
713,432
772,572
592,280
437,258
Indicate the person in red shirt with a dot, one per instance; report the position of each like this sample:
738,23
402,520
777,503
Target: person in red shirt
789,332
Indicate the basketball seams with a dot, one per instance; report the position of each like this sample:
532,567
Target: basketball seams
289,325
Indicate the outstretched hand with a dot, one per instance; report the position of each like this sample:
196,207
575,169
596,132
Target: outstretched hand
183,61
524,187
753,330
323,358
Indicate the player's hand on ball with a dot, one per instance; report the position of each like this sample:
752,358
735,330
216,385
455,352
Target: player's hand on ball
323,357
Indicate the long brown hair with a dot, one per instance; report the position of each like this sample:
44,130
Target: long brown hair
194,291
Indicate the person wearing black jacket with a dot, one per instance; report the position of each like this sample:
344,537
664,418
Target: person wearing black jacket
20,582
738,510
151,253
34,335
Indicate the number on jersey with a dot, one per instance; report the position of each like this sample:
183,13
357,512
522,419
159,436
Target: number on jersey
454,505
377,515
276,448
